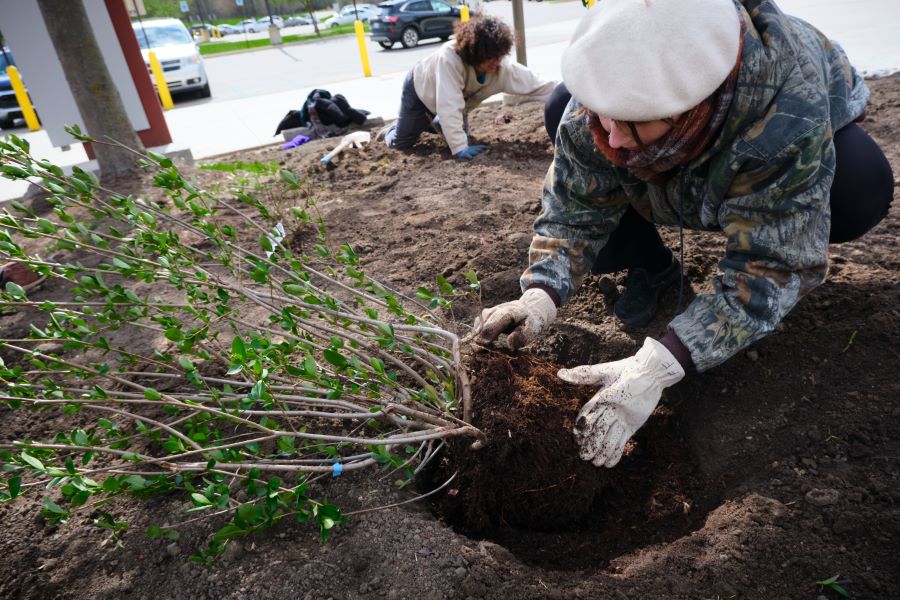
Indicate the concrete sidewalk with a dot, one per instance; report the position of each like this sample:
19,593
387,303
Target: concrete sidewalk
867,29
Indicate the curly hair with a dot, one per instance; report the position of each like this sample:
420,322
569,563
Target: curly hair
479,40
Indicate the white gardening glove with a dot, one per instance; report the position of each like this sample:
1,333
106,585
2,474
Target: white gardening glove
529,315
631,389
352,140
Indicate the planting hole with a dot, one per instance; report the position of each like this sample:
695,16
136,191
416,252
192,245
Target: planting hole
528,490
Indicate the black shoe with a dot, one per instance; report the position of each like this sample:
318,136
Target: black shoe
637,304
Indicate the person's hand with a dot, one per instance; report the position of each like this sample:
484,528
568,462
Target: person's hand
526,317
471,152
630,390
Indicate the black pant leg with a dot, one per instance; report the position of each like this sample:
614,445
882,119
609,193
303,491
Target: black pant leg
554,108
863,186
634,243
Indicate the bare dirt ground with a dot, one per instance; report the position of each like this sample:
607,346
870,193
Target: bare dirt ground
755,480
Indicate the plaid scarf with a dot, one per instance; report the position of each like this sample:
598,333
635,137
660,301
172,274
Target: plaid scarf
654,163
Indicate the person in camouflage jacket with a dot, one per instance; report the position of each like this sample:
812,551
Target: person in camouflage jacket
758,162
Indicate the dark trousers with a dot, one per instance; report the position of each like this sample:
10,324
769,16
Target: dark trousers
861,196
413,119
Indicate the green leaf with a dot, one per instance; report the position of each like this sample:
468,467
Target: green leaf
238,350
156,531
444,285
53,507
289,177
472,278
335,358
163,160
14,484
327,515
118,262
226,533
247,514
136,482
32,461
15,290
14,172
200,500
174,334
310,367
839,590
151,394
832,584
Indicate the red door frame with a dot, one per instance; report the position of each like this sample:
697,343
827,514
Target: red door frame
158,132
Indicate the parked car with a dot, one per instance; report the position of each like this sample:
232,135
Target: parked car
227,29
348,14
408,21
211,31
178,55
9,106
251,26
264,21
297,20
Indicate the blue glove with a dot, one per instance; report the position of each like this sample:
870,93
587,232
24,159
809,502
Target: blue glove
471,152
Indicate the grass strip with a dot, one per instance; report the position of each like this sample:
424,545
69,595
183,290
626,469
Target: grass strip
210,48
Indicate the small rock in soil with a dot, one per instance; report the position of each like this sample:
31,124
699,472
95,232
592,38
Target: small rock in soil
822,497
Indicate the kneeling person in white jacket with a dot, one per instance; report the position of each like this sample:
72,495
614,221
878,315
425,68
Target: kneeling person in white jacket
457,78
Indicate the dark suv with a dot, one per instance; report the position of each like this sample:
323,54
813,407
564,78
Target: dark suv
408,21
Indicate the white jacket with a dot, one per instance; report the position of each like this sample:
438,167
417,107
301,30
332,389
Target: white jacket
449,88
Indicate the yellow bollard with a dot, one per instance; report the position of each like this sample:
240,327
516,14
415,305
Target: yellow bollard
463,13
161,85
22,98
363,52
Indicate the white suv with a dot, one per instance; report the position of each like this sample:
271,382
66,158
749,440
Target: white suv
178,55
348,14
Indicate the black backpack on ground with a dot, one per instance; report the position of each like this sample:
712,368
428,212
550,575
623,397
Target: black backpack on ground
322,109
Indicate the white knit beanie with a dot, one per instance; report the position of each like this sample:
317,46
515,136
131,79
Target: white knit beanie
640,60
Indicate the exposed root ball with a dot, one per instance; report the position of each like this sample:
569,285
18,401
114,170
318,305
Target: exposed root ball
529,474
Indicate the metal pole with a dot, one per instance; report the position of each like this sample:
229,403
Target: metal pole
519,26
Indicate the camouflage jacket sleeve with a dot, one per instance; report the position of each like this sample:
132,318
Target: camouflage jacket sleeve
582,204
777,219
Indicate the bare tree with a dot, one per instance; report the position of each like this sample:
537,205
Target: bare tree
92,86
312,15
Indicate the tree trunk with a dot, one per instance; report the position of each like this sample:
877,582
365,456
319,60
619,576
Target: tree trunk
88,77
311,10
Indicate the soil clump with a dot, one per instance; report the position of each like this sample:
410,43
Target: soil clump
528,474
